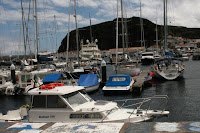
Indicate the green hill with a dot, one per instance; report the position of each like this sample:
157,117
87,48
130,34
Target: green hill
106,34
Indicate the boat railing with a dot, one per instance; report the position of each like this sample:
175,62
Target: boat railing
137,110
142,102
109,111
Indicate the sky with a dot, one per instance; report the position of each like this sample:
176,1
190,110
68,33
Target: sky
53,19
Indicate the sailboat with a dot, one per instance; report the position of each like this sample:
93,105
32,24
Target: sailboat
71,70
168,67
147,57
127,66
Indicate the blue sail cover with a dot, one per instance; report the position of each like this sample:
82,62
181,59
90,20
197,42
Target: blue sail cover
119,80
52,77
88,80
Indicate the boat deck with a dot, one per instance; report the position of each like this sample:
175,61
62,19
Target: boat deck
144,127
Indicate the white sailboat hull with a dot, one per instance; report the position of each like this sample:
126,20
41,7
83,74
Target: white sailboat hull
168,75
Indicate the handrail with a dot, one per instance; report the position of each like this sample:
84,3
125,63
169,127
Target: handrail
144,100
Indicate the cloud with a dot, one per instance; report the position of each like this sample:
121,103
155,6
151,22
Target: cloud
180,13
9,15
89,3
10,46
61,3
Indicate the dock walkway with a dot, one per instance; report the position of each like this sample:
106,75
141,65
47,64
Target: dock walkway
142,80
144,127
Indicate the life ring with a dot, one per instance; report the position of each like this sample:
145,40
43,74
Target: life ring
51,86
60,84
43,87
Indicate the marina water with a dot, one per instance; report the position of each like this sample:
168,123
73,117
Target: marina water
184,101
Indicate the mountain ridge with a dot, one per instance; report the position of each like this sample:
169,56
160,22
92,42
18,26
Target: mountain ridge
106,34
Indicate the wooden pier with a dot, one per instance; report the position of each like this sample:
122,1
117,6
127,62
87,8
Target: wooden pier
142,81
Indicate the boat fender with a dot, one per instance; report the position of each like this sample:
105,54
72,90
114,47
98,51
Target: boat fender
151,74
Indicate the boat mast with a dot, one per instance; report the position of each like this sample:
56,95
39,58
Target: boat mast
165,26
91,29
36,27
67,55
35,45
23,27
27,33
141,26
122,25
156,35
56,34
91,36
126,34
75,16
117,37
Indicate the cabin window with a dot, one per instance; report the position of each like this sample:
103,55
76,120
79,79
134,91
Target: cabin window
86,116
26,78
23,78
39,101
55,102
118,79
147,54
75,99
50,101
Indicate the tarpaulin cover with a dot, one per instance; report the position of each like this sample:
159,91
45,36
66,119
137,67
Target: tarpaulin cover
43,58
119,80
169,53
168,59
52,77
88,80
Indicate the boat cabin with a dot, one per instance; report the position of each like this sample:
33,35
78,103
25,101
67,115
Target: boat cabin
61,104
3,79
25,79
119,82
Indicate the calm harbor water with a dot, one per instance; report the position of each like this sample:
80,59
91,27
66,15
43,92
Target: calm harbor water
184,95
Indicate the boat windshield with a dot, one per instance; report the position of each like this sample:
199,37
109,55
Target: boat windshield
86,95
75,98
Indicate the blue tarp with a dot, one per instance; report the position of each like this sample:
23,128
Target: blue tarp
167,59
169,53
88,80
113,80
52,77
43,58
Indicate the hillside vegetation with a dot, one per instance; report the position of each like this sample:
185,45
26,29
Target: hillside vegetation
106,34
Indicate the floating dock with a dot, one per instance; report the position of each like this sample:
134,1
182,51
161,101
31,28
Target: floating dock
142,80
144,127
